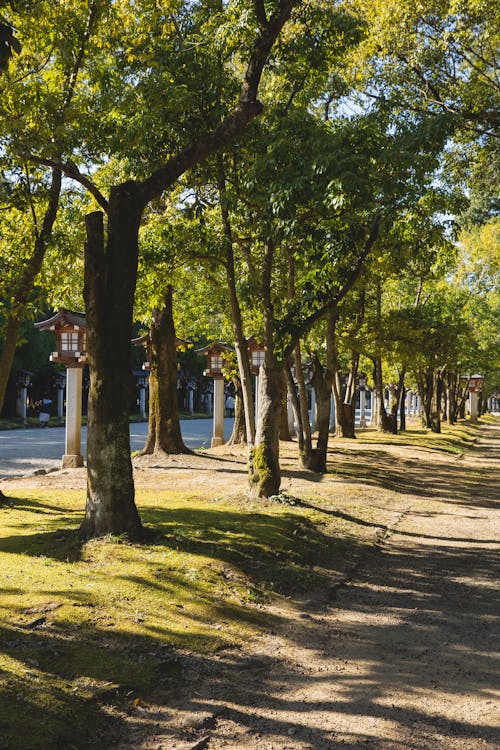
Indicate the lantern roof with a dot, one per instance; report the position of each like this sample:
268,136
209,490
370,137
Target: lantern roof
254,343
63,319
216,346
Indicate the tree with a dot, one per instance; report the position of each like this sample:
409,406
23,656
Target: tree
110,277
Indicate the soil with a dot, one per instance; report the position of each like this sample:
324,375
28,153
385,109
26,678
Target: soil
402,653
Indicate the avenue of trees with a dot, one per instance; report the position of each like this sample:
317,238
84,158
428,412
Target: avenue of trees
319,175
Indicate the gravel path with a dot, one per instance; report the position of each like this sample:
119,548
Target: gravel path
403,656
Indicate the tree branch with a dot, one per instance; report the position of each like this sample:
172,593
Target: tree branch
247,108
69,169
333,302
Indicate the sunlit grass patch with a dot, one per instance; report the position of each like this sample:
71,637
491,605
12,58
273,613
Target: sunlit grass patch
87,626
452,439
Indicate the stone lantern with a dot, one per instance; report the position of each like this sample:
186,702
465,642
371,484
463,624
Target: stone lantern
475,386
141,379
256,353
70,329
23,381
215,354
59,383
362,399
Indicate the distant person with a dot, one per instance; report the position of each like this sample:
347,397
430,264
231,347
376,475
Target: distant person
230,406
45,408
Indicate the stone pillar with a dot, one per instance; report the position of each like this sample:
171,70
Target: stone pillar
142,401
473,406
218,435
290,415
191,401
256,400
22,402
313,410
362,408
60,402
332,413
72,458
373,412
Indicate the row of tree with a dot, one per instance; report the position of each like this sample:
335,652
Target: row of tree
296,170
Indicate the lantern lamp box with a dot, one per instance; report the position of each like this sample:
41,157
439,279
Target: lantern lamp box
215,354
70,329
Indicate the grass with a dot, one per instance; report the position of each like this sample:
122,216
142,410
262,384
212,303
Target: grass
89,627
452,439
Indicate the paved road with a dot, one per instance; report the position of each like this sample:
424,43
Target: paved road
26,451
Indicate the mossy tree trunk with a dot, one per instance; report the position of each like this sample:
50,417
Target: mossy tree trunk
265,473
110,273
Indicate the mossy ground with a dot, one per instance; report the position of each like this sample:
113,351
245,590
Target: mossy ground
90,630
86,625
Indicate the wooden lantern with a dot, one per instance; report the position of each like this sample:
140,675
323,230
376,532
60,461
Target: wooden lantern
256,352
147,343
475,383
215,358
71,337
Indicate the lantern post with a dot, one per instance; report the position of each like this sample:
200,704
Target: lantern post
71,340
60,386
362,399
215,362
256,353
475,386
23,381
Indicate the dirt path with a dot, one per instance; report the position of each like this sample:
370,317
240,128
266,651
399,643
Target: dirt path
405,657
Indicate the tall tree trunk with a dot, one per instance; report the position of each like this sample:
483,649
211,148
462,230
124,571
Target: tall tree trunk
294,398
110,274
343,394
305,444
265,474
240,342
436,393
264,467
402,409
451,397
164,431
284,426
385,422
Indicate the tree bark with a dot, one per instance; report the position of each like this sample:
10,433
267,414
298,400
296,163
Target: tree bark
164,430
265,474
284,426
110,273
305,444
343,395
240,342
264,467
435,411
